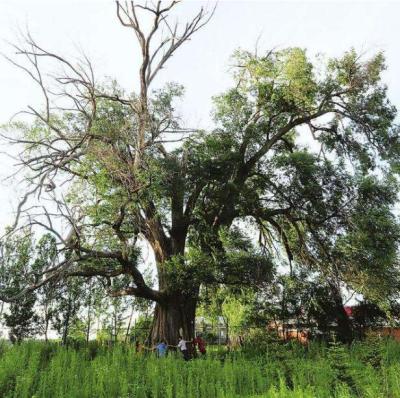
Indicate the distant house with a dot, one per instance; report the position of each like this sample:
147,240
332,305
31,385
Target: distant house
365,322
290,331
385,331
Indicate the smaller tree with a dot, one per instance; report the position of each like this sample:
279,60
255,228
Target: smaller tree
46,257
22,319
70,297
140,330
93,303
143,308
16,266
117,308
302,300
230,305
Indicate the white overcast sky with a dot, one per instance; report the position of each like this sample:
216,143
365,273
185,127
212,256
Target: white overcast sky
202,65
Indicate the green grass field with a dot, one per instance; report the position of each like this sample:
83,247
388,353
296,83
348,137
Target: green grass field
36,369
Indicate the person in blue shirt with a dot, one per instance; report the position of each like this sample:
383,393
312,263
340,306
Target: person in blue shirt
161,348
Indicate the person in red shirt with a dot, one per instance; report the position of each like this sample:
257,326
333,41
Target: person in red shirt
201,344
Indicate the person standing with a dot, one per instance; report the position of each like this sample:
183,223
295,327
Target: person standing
201,344
183,348
139,347
162,348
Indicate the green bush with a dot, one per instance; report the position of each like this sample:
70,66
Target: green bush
36,369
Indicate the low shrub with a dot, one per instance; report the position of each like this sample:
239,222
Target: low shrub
40,370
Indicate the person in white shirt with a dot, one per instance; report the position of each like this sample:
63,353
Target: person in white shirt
183,348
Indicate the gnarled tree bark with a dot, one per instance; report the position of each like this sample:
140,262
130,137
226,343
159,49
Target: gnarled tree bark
175,317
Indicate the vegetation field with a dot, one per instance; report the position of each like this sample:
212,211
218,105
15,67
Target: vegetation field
35,369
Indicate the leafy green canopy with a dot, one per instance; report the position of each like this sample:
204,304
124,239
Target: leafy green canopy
304,155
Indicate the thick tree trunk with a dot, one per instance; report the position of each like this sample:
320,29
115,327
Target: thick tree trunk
173,318
174,314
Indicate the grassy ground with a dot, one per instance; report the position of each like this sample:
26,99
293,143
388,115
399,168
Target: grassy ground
35,369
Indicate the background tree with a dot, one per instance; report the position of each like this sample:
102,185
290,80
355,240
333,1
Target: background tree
229,307
142,308
69,302
117,316
16,266
45,258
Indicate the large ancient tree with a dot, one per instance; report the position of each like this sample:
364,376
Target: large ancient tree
133,173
